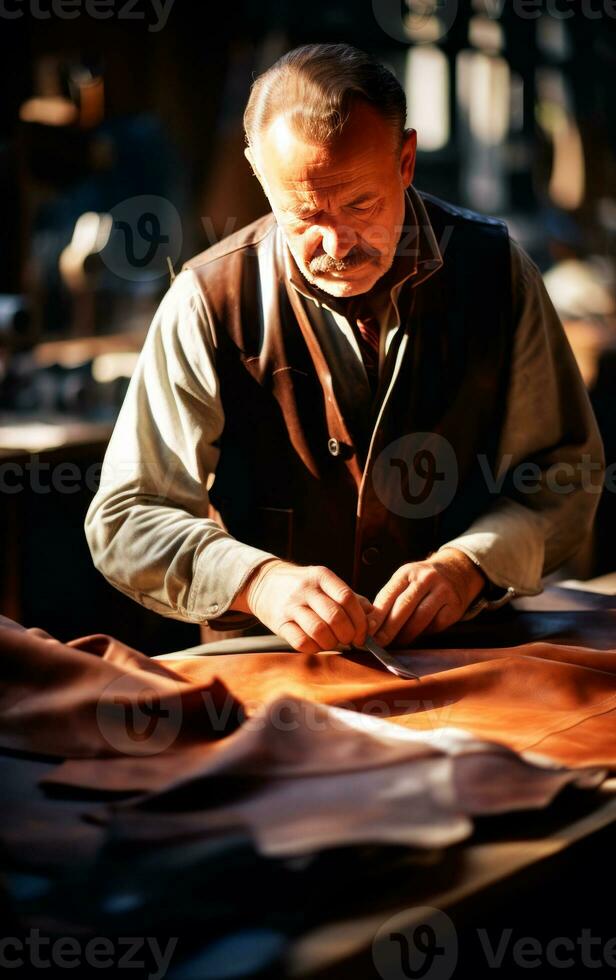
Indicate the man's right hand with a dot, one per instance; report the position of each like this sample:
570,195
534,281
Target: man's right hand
309,606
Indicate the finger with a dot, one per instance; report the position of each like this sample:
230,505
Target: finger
341,593
369,610
385,599
314,627
424,615
333,614
403,607
296,638
447,616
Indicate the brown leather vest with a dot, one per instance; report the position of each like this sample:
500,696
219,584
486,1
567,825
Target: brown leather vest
298,478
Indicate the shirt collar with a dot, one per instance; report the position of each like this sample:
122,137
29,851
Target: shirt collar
417,257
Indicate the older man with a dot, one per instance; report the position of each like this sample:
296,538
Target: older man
358,413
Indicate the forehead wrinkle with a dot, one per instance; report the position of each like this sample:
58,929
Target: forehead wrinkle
330,171
327,170
305,194
325,183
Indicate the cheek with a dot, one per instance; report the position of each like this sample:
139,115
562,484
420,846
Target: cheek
306,243
302,245
294,238
381,231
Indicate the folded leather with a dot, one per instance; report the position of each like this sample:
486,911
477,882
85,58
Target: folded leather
73,700
305,744
331,777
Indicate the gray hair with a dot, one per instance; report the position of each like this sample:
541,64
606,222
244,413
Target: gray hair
314,87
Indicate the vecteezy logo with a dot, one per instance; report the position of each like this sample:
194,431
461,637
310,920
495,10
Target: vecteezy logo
150,707
416,476
416,944
137,721
146,231
148,226
425,941
425,466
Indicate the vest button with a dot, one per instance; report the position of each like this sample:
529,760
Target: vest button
342,449
370,556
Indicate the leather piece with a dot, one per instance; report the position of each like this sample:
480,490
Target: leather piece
556,699
334,779
304,745
72,700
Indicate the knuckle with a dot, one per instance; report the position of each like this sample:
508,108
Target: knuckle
407,599
305,645
309,578
346,596
339,620
335,615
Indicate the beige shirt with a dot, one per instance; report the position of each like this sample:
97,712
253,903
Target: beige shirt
148,528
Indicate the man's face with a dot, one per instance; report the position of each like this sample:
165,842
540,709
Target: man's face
340,207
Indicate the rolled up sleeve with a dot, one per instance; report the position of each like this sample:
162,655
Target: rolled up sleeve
147,527
550,463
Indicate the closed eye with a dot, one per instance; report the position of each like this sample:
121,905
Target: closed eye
299,218
363,208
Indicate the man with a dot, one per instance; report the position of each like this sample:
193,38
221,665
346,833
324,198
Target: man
338,412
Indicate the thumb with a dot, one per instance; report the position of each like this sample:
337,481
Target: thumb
385,599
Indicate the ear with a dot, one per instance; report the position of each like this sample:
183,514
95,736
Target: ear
251,160
408,155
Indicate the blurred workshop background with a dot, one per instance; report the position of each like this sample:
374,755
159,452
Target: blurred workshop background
121,154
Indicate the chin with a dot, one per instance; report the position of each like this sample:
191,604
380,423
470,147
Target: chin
348,287
338,288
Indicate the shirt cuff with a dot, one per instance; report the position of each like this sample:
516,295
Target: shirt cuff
502,583
221,572
508,546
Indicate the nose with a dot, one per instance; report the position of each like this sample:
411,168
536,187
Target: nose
338,240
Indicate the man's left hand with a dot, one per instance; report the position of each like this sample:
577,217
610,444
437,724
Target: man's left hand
426,596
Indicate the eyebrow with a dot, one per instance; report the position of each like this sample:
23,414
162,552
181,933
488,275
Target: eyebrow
307,209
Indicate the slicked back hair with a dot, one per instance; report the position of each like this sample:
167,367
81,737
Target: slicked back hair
314,88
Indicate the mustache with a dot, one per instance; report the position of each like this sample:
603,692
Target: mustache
358,255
